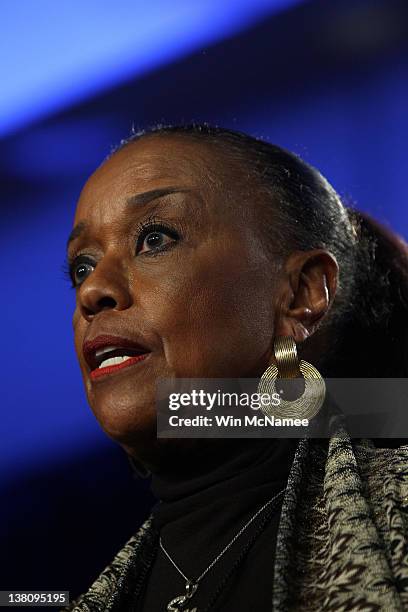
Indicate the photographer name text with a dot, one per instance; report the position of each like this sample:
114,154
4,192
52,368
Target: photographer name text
230,421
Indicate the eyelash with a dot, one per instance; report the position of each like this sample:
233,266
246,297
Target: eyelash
151,224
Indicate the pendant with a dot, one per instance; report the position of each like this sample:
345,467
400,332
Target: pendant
178,603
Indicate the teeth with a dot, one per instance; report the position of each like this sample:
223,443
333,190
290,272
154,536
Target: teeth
114,360
106,349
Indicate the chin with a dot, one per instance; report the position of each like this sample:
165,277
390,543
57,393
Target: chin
126,422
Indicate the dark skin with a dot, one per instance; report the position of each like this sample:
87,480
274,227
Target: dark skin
205,298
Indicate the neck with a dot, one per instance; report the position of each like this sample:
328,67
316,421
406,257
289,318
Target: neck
213,463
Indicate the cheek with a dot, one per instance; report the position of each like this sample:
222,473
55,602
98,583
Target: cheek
217,325
79,328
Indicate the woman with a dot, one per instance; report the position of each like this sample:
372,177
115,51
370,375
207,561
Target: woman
195,249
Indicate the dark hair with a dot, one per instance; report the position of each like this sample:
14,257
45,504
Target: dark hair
367,327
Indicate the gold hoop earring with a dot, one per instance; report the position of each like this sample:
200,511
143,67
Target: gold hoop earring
310,402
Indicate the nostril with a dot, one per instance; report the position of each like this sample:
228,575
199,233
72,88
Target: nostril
87,312
106,302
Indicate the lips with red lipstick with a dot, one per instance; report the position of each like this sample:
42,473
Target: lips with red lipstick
107,354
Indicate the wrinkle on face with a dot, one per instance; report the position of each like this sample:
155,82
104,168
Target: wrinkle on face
207,304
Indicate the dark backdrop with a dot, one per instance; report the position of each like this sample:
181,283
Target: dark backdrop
325,79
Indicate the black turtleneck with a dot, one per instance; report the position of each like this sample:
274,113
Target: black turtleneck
201,510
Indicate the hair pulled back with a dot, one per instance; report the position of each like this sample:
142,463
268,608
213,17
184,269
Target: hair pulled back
368,322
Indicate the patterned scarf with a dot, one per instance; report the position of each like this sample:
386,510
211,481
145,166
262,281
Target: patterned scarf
342,543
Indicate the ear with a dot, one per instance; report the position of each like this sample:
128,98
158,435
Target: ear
306,294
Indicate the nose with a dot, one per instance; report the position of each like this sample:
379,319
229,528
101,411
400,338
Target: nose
107,287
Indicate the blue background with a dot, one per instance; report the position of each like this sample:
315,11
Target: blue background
328,80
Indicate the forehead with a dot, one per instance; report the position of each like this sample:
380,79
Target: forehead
152,163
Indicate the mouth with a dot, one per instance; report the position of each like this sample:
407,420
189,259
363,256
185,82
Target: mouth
125,362
106,355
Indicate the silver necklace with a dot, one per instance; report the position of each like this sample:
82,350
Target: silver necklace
178,603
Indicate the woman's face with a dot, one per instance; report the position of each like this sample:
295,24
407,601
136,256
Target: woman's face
167,258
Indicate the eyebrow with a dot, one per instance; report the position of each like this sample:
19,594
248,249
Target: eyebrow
139,199
144,198
76,232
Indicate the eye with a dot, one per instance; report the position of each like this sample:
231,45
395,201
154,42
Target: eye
80,269
154,237
154,240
